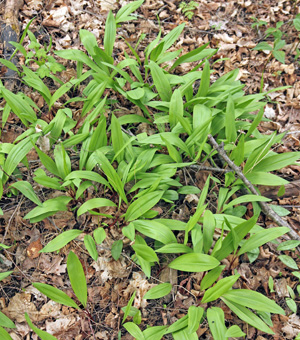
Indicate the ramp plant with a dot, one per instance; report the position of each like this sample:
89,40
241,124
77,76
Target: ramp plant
132,173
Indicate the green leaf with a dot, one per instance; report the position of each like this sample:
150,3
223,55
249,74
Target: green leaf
155,230
77,278
26,189
280,56
134,330
5,274
128,307
116,249
158,291
246,199
5,335
117,138
288,245
220,288
62,161
209,225
110,34
211,277
205,81
194,317
277,161
6,322
280,211
230,129
234,332
94,203
176,108
145,252
61,240
263,46
48,208
194,262
288,261
246,315
142,205
91,246
90,175
264,178
261,238
215,318
161,82
126,10
9,64
172,248
253,300
17,154
55,294
99,235
42,334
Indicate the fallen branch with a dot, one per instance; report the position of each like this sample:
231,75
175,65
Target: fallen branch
208,168
269,212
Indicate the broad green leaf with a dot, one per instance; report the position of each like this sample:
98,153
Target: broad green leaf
194,317
110,34
194,262
183,334
246,199
94,203
176,108
155,230
4,335
234,332
48,163
288,245
5,274
155,332
172,36
48,208
288,261
61,240
158,291
194,55
279,55
263,46
161,82
220,288
261,238
99,235
172,248
42,334
145,252
230,129
125,11
280,211
253,300
142,205
62,161
264,178
91,246
26,189
55,294
17,154
209,225
277,161
246,315
90,175
215,318
6,322
117,138
116,249
211,277
134,330
77,278
205,81
9,64
4,246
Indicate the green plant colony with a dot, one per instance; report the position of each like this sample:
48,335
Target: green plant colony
141,169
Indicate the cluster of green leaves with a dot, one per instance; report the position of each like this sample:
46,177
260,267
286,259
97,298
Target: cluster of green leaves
141,169
188,8
277,36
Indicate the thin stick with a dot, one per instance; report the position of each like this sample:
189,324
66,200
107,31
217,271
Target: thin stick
208,168
269,212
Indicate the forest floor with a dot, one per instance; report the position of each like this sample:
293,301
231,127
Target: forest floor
226,25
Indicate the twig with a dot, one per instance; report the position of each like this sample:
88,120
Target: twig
269,212
208,168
